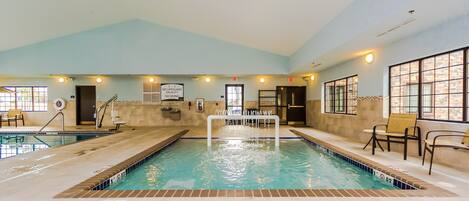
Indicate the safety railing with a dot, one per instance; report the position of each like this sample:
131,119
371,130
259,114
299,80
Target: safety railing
103,107
52,119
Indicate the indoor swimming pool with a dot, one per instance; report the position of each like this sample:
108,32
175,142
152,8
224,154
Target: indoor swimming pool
254,164
16,144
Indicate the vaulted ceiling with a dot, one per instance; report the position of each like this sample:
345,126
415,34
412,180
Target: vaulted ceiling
276,26
301,31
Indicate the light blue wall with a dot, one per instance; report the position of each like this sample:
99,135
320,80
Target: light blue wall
373,78
129,88
138,47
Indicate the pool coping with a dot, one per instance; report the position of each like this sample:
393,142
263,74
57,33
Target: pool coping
94,187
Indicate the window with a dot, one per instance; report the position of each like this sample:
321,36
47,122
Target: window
28,99
341,95
151,92
432,87
234,98
405,88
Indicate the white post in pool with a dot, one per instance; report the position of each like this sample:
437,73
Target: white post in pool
243,117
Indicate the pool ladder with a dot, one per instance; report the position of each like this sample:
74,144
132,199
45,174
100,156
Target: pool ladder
52,119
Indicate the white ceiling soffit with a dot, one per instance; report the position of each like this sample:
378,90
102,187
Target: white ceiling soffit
277,26
370,24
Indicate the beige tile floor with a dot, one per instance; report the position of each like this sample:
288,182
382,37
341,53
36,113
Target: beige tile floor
41,175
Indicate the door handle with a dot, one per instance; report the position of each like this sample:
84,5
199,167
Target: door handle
295,106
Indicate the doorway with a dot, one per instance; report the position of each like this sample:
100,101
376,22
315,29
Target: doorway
234,98
291,104
86,105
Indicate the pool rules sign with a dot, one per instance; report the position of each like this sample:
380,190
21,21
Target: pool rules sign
172,92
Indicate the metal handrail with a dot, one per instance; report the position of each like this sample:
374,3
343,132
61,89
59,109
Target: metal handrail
52,119
99,120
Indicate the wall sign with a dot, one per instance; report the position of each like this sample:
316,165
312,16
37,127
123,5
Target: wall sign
172,92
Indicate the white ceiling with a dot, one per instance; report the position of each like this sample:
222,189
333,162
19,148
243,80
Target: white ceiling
278,26
356,30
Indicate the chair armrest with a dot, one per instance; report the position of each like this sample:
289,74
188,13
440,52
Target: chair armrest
443,136
444,131
411,127
379,125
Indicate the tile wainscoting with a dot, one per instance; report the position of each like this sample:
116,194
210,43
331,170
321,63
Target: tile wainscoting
370,112
136,113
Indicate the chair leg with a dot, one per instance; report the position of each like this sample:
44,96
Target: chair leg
379,144
16,123
22,121
431,160
389,144
373,144
424,151
8,122
405,148
419,144
420,147
369,141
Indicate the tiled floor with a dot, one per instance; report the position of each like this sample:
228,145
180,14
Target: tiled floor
41,175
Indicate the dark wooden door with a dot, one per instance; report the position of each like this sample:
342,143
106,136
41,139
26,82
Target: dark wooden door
86,104
296,104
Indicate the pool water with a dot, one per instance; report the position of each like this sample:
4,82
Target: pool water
237,164
12,145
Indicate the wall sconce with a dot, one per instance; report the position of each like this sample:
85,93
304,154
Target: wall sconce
309,78
99,80
61,79
151,79
262,80
369,58
207,79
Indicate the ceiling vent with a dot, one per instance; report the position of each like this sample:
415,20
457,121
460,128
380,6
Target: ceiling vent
408,21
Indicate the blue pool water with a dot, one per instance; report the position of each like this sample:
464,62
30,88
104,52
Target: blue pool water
14,144
237,164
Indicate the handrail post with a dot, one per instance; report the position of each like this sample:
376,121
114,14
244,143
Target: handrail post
52,119
98,111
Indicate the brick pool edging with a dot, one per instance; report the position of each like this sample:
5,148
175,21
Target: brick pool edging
87,188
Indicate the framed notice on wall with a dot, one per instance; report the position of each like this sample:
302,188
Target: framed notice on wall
172,92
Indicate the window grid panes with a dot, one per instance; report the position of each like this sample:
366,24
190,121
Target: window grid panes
7,100
28,99
151,92
404,88
234,99
40,98
438,94
341,96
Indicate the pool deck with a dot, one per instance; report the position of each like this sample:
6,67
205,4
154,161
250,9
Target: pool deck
43,174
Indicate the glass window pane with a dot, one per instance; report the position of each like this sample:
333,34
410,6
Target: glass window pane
428,64
441,74
441,87
456,72
442,61
457,58
405,68
441,113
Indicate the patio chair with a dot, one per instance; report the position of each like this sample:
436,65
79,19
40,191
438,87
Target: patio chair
13,115
400,129
445,139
